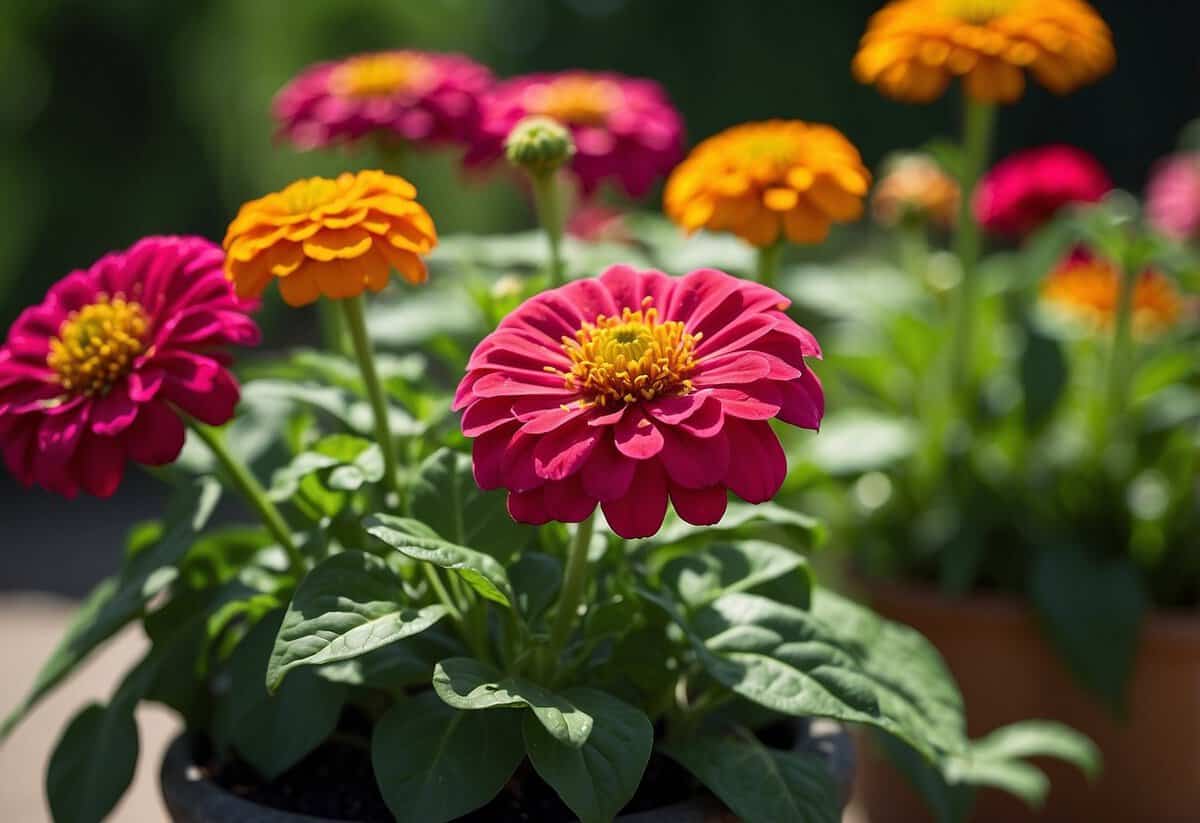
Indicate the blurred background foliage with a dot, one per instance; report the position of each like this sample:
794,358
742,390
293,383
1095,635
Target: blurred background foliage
120,118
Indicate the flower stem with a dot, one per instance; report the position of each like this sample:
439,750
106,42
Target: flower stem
977,138
250,489
574,580
1121,351
356,323
768,263
549,211
333,333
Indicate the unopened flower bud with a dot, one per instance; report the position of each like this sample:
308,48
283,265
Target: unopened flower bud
539,145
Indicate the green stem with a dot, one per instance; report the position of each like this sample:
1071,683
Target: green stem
574,580
1121,352
977,139
355,317
333,333
768,263
549,211
439,589
250,489
912,245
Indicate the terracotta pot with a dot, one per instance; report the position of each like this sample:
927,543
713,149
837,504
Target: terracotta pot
1007,672
192,798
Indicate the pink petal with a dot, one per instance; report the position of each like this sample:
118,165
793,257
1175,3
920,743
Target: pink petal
676,409
611,418
607,473
732,369
708,420
143,384
567,502
114,412
757,466
640,512
518,382
100,464
487,456
700,507
692,462
215,406
564,451
592,298
487,414
636,436
737,336
157,436
528,507
803,401
550,419
60,435
757,401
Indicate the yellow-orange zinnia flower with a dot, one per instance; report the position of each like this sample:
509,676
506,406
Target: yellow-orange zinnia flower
335,238
914,186
1085,289
758,180
913,48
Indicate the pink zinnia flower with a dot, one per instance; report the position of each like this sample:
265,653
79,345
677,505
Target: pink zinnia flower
97,374
625,129
423,98
636,387
1025,190
1173,196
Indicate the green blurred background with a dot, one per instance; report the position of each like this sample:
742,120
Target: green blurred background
120,118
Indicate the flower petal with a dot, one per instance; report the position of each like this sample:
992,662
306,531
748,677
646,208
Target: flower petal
636,436
700,507
640,512
758,465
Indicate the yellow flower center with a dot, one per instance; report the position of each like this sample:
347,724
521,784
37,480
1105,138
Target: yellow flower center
978,11
630,358
303,196
577,100
380,75
96,346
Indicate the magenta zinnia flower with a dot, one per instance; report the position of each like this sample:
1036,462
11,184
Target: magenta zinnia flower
625,129
423,98
1025,190
636,387
1173,196
97,374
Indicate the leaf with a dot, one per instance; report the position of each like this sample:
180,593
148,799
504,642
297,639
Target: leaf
536,579
701,577
468,684
434,763
411,538
347,462
340,404
407,662
759,784
949,803
857,442
348,605
1092,609
445,497
1043,376
116,602
93,763
274,732
597,779
746,520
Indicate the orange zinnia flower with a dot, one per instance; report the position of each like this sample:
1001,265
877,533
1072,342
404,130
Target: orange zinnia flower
335,238
760,179
1085,289
914,186
913,48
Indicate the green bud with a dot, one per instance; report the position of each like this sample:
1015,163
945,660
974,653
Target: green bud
539,145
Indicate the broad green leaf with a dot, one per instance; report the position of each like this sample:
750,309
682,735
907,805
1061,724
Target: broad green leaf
410,537
340,404
1092,609
948,803
700,577
765,520
468,684
536,579
274,732
759,784
93,763
116,602
407,662
445,497
434,763
597,779
858,442
1043,376
347,606
345,462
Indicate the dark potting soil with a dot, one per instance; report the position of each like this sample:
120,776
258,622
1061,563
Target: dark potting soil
337,781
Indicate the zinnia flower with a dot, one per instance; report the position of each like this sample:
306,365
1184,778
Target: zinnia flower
98,373
423,98
1173,196
1025,190
625,129
914,186
335,238
636,387
913,48
1084,289
760,180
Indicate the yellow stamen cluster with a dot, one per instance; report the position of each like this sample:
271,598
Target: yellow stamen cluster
630,358
575,99
380,75
978,11
97,345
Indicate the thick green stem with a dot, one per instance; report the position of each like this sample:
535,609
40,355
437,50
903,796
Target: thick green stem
912,246
549,211
1121,352
574,582
250,489
977,138
768,263
333,333
356,323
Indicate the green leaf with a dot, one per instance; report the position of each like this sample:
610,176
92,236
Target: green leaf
468,684
345,463
340,404
759,784
412,538
536,579
857,442
949,803
701,577
274,732
434,763
1092,609
1043,376
93,763
445,497
350,604
764,520
407,662
597,779
116,602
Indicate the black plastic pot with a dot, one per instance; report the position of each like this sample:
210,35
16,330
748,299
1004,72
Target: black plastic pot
192,798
